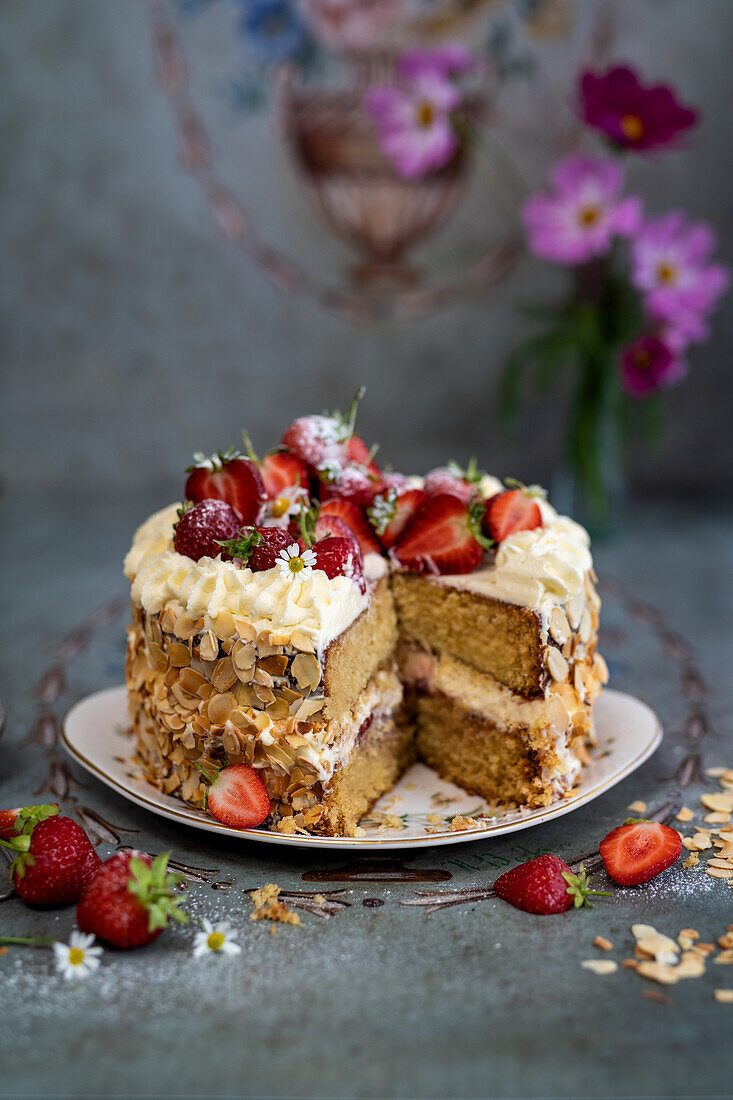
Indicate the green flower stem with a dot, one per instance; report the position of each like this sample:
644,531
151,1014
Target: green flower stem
26,941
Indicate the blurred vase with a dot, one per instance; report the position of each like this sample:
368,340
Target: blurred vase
354,185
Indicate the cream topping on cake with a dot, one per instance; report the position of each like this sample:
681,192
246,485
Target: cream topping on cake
315,604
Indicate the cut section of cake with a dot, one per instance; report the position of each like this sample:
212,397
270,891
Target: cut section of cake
322,623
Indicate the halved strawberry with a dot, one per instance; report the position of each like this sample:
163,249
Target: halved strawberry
545,885
281,470
391,513
355,518
509,512
328,524
229,477
237,797
340,557
639,850
441,537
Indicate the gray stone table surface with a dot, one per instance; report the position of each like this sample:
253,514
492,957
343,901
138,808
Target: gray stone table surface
377,999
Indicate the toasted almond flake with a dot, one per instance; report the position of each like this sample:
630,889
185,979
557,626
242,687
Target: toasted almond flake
208,646
600,966
721,802
717,872
559,626
724,996
641,931
702,841
726,940
725,957
637,807
585,628
688,842
658,972
705,948
557,666
690,966
685,814
685,942
691,933
718,862
659,947
630,964
715,772
716,818
602,943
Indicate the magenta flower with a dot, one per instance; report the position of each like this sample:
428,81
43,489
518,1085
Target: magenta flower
631,115
649,365
583,212
670,266
414,123
452,60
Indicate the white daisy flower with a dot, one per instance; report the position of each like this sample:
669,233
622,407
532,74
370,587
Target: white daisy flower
292,561
286,505
215,938
77,958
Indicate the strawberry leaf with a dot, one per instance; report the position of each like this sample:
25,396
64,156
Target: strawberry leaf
153,887
578,888
242,545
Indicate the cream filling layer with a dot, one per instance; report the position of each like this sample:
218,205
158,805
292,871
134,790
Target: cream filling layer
486,697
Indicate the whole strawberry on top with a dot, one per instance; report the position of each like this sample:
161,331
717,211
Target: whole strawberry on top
545,885
131,900
201,530
231,477
317,440
54,858
639,850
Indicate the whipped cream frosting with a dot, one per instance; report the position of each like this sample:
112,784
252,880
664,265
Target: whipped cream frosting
317,605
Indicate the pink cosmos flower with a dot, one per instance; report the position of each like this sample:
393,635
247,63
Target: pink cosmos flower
649,365
670,266
413,123
631,115
583,212
452,60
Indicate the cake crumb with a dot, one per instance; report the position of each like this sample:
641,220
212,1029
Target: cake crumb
602,943
409,786
692,861
434,819
319,899
267,906
724,996
638,806
600,966
460,824
358,831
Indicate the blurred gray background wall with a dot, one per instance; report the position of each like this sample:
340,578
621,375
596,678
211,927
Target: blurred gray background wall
133,333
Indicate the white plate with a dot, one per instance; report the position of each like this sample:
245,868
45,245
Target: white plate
628,733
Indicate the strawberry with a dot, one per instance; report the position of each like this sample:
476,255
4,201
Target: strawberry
340,557
392,511
509,512
639,850
282,470
237,796
355,518
443,536
545,885
130,900
357,451
229,477
350,482
257,547
328,524
55,859
202,528
316,440
14,822
453,479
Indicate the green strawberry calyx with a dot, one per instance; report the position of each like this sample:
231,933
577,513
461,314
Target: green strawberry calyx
578,888
153,886
24,824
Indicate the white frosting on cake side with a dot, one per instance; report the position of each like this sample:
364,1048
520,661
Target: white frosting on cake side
215,590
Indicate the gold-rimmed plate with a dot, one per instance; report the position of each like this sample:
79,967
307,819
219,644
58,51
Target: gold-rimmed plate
628,733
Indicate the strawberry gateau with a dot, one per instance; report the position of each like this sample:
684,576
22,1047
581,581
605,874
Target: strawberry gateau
305,626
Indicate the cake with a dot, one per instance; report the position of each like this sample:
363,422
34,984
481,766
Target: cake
317,625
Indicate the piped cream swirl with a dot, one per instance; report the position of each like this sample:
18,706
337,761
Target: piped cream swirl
215,590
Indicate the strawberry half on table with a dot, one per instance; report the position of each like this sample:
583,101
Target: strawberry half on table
131,900
639,850
231,477
443,536
545,885
54,858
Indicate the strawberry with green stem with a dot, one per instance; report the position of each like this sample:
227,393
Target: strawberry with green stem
131,900
54,858
546,885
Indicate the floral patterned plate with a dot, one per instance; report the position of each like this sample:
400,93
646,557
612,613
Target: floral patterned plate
416,814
